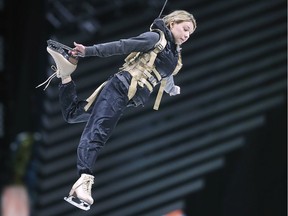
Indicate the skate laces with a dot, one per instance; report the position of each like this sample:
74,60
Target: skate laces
48,80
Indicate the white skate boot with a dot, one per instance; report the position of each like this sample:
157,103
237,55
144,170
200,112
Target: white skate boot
66,64
80,194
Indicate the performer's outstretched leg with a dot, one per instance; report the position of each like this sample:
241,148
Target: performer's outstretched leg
72,109
107,110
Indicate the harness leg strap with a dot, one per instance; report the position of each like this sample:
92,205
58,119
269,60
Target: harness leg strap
132,88
159,94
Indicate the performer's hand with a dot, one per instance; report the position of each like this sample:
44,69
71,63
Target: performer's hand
175,91
78,50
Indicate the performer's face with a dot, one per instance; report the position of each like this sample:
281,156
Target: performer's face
181,31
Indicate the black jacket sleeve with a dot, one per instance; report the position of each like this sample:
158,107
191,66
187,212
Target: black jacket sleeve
142,43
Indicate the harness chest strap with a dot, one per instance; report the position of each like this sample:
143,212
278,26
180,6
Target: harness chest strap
142,80
140,66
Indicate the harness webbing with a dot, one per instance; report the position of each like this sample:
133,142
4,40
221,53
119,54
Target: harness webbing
142,69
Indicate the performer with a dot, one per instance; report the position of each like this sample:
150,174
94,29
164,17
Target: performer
154,58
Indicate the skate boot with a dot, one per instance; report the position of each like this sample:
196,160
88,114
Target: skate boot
65,63
80,194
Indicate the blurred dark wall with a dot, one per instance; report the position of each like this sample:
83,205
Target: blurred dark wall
25,45
23,28
254,182
254,176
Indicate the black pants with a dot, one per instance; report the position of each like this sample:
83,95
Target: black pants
101,118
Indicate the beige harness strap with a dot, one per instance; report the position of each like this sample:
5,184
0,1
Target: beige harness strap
179,65
159,94
153,56
132,88
158,76
93,96
143,82
163,83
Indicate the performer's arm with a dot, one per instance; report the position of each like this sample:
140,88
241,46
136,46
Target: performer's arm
142,43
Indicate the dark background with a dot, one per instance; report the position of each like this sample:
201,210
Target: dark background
254,179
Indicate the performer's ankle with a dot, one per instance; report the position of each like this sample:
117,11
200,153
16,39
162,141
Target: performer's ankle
66,79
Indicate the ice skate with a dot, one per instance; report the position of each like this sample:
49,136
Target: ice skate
80,194
66,64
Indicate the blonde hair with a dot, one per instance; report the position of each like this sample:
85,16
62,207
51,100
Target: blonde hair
179,16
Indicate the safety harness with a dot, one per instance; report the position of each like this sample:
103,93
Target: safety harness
142,69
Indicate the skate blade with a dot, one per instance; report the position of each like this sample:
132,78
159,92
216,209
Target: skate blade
56,46
61,56
77,202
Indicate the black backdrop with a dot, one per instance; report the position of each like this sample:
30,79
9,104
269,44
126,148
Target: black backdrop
259,180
